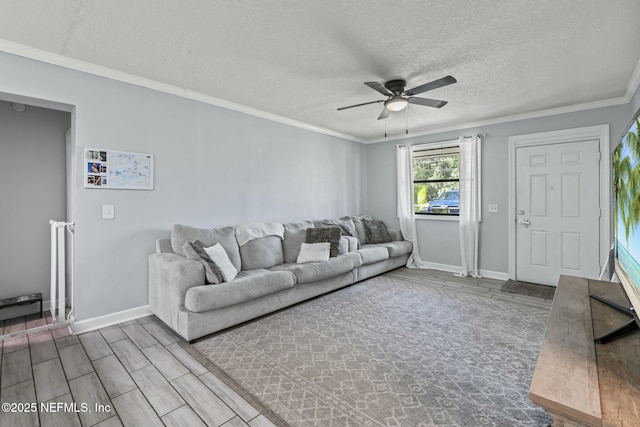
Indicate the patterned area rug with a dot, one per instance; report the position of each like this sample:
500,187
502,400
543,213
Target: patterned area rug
388,352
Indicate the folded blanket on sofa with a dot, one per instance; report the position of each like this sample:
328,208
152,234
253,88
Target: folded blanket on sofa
257,230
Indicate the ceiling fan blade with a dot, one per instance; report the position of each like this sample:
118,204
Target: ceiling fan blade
360,105
428,102
445,81
379,87
385,113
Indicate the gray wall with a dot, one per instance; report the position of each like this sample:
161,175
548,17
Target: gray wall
213,167
32,192
218,167
439,240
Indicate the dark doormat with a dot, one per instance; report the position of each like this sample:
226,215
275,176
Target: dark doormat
530,289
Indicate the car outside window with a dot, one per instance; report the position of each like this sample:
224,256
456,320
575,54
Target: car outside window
436,181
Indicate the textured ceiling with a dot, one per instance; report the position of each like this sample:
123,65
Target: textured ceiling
303,59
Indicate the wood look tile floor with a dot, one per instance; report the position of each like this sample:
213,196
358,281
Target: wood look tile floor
141,371
489,288
135,373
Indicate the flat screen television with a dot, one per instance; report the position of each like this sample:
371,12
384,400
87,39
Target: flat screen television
626,210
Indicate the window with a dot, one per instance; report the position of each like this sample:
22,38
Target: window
436,181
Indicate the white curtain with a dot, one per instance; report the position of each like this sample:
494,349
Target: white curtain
469,204
406,213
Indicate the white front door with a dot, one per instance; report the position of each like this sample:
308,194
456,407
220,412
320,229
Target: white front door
557,211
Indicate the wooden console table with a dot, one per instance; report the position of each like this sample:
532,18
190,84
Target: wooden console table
581,383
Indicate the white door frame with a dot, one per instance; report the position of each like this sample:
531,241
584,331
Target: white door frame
599,132
71,185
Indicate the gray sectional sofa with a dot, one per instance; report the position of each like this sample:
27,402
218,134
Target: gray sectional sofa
268,276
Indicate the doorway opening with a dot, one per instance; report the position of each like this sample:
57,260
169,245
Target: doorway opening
36,186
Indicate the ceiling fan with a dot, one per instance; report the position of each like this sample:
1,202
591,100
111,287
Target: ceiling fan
398,98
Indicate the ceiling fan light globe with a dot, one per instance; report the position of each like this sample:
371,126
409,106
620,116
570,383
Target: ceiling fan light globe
396,103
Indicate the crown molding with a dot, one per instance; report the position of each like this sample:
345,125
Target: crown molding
78,65
97,70
634,83
507,119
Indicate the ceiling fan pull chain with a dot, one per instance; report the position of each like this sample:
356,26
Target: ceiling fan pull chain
406,132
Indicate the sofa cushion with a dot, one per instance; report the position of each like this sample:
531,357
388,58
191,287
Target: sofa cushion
325,234
209,237
358,222
294,236
163,246
352,243
347,244
311,272
395,234
343,245
261,253
295,226
345,224
355,258
291,244
246,286
395,249
376,231
372,254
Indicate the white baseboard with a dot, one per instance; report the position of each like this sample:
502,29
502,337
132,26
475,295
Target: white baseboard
497,275
94,323
444,267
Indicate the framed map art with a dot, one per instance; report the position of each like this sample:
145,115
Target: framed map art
117,169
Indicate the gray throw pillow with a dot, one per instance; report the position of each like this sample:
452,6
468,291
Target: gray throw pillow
261,253
376,231
325,234
195,251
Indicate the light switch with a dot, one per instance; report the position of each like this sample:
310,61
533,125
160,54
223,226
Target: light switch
493,208
108,212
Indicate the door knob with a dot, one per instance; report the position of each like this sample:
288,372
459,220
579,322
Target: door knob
524,222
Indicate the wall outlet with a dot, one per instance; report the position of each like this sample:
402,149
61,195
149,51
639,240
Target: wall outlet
493,207
108,212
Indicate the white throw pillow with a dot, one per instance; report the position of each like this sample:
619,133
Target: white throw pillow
314,252
219,256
